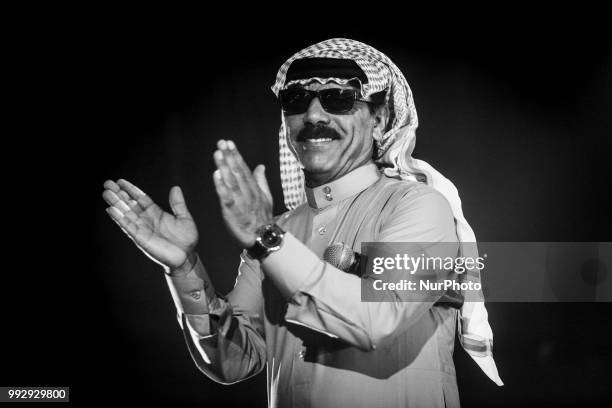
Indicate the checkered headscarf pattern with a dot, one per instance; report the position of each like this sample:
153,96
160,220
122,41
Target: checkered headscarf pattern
394,150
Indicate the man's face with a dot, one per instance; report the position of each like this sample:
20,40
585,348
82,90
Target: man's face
331,145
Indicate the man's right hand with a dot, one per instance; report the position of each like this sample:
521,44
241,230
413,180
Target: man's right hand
168,239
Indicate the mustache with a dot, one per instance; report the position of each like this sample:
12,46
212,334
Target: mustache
317,132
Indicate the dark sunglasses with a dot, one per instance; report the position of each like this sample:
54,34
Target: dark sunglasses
334,100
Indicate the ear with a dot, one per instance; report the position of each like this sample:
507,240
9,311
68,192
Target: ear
381,118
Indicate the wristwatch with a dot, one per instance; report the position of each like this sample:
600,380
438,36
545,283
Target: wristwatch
269,239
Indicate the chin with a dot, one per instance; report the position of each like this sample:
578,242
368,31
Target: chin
317,164
318,169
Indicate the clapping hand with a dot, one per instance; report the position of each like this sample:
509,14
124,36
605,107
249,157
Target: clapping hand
168,239
244,196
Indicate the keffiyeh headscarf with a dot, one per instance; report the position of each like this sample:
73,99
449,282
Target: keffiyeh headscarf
394,154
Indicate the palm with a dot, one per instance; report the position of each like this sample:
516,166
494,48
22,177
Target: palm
164,237
241,225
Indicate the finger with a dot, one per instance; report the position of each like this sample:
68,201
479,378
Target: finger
112,186
131,189
225,196
114,213
177,203
224,171
240,167
114,201
135,193
126,198
246,186
237,159
122,206
262,182
110,197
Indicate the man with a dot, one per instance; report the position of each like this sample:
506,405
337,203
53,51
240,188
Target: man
347,133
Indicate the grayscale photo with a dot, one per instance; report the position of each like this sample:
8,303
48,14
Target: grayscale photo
304,215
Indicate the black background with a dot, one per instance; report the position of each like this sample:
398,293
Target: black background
516,113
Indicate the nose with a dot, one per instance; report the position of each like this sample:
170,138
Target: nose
315,113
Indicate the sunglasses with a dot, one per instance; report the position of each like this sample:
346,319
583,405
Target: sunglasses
294,101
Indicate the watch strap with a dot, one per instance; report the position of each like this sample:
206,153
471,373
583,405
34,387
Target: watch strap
257,250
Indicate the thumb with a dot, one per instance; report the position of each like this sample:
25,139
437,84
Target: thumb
177,203
260,178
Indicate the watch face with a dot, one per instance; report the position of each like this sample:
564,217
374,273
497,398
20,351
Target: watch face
271,237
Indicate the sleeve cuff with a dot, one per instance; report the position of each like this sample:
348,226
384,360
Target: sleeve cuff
293,267
192,293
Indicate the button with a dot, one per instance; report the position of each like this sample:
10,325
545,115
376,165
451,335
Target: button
322,230
327,191
196,294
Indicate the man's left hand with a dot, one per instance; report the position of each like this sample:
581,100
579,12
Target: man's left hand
245,198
